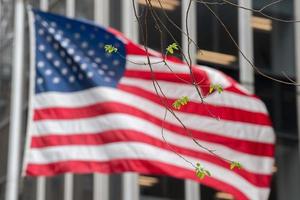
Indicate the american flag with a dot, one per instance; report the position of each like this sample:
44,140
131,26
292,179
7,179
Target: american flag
91,111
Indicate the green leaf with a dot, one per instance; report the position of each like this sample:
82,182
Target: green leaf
234,164
172,47
110,48
180,102
217,87
201,172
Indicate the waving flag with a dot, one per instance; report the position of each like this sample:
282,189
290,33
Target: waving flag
91,111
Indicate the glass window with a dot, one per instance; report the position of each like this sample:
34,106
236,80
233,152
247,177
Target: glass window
6,44
280,100
169,19
57,6
216,48
115,14
55,188
161,188
85,9
274,40
115,186
83,187
274,55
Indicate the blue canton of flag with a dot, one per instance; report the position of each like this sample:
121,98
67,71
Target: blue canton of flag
70,55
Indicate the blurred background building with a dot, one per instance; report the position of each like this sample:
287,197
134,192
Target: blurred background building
272,47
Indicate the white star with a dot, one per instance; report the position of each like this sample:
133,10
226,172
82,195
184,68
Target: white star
60,32
57,37
48,72
91,52
74,68
80,76
42,47
41,64
101,45
90,74
56,80
111,73
84,44
92,36
104,66
107,36
94,65
56,63
49,38
100,71
116,62
68,26
71,51
51,30
53,24
49,55
44,23
77,58
62,53
71,79
41,32
82,27
76,35
69,61
40,81
83,66
56,46
108,55
65,43
64,71
37,17
107,79
98,60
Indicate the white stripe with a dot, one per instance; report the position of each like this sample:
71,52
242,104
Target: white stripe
226,98
252,163
238,130
216,77
133,150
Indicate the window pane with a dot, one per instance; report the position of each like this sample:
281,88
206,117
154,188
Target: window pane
57,6
85,9
274,40
55,188
115,14
217,48
83,187
161,188
169,32
274,54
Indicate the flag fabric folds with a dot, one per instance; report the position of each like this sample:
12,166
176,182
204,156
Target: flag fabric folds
91,111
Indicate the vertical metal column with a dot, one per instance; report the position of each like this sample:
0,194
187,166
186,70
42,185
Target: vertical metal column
130,187
69,178
246,45
129,21
13,163
101,181
192,188
101,12
297,61
41,181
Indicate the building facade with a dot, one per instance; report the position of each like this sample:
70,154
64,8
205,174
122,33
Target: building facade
267,36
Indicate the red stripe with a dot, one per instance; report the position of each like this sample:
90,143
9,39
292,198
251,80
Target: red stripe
250,147
140,166
200,77
136,136
205,109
